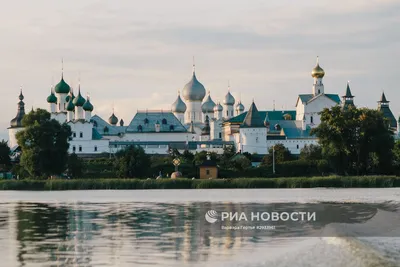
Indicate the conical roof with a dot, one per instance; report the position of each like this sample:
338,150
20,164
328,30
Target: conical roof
253,118
383,98
348,92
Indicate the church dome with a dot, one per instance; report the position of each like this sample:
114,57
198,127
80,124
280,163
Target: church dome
317,71
194,90
113,120
87,106
70,106
178,106
79,101
218,107
229,99
239,106
51,98
62,87
208,105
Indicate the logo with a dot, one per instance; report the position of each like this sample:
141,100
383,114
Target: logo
211,216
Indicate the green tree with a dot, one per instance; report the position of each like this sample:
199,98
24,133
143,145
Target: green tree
187,156
282,154
311,152
75,166
353,139
44,144
201,156
5,161
132,162
241,163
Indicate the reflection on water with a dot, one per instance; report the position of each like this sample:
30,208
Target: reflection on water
159,234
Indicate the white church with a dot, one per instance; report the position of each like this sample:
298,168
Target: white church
194,123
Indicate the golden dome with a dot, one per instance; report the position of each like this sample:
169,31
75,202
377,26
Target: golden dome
317,71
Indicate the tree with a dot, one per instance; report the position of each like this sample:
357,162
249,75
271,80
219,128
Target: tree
200,157
353,139
5,161
132,162
311,152
241,163
282,154
44,144
75,166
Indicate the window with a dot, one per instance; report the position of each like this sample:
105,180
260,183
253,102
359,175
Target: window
59,106
171,128
95,148
232,113
297,146
95,123
208,172
80,148
64,105
256,139
81,134
74,134
312,119
146,121
164,121
220,135
319,91
227,113
73,149
140,128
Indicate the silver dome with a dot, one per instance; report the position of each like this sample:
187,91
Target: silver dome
218,107
229,99
178,106
208,105
239,106
194,90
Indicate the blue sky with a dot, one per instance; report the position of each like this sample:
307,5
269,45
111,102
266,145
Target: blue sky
138,54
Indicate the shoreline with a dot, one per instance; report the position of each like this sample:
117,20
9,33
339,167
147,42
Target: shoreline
186,183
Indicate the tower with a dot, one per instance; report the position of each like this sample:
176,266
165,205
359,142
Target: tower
16,123
383,106
88,108
348,101
253,133
317,73
239,108
193,93
52,100
78,102
218,111
179,108
229,102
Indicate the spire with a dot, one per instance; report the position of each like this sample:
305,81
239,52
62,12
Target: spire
348,91
253,118
273,105
194,66
347,98
229,86
383,98
21,96
62,68
17,121
318,60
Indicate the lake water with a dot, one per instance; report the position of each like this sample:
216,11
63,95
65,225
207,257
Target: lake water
168,228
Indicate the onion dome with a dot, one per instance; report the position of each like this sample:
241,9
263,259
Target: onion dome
229,99
62,87
113,120
178,106
51,98
70,106
79,101
17,121
87,106
218,107
317,71
194,90
239,106
208,105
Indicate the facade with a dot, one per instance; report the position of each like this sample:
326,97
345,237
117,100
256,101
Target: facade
195,122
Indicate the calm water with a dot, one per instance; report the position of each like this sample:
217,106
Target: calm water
165,228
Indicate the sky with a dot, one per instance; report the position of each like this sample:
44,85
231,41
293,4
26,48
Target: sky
132,55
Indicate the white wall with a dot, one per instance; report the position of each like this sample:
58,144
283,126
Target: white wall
12,140
89,147
80,127
253,140
316,106
193,112
60,117
294,145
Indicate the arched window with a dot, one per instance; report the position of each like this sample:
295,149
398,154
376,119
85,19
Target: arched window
312,119
164,121
140,128
146,121
95,148
171,127
220,135
105,129
95,123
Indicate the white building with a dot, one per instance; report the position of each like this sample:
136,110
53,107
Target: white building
195,122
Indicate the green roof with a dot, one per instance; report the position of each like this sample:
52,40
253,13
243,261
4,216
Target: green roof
307,97
272,115
70,106
62,87
52,98
96,135
88,106
79,100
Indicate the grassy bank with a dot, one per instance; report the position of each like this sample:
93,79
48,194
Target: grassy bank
302,182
